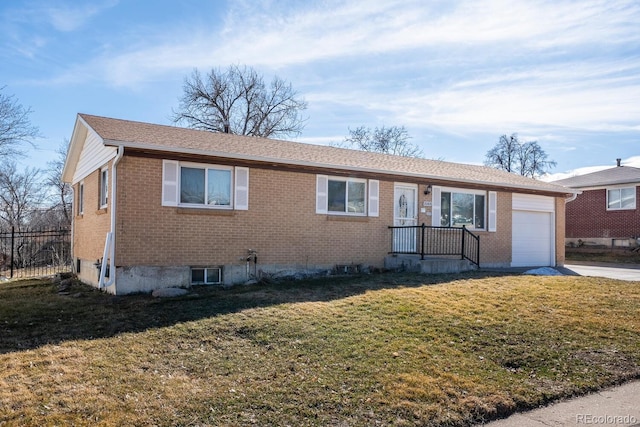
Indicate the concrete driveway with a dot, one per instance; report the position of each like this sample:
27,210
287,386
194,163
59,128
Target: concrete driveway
617,406
629,272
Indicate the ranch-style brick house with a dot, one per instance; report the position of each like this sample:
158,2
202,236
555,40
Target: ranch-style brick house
162,206
606,211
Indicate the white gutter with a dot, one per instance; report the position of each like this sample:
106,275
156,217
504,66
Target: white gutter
572,198
109,244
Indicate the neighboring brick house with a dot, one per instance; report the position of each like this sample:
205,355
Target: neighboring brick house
159,206
606,212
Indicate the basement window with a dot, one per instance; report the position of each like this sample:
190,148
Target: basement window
206,275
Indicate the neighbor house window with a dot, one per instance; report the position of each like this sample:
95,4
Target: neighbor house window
621,198
462,208
347,195
205,185
104,187
81,198
206,275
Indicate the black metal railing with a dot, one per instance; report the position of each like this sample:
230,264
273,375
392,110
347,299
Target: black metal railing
429,240
34,253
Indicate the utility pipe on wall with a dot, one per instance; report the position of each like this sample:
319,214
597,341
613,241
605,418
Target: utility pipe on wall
109,244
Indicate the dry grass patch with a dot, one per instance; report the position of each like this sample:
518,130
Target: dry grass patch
607,255
387,349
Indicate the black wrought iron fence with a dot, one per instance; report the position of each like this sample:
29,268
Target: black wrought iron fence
427,240
34,253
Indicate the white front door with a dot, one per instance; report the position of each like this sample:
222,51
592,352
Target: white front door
405,213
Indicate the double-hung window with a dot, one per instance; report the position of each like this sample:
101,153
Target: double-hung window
206,185
458,208
347,196
104,188
199,185
621,198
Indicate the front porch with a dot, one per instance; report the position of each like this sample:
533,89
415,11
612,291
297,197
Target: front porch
428,265
430,249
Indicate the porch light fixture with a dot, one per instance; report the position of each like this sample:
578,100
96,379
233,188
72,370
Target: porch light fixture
427,190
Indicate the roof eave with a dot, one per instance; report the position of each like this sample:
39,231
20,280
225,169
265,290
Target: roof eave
134,145
605,185
74,149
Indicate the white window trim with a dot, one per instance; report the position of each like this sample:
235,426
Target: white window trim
103,191
492,212
620,188
205,269
487,208
170,171
206,166
373,206
241,188
81,198
462,190
347,180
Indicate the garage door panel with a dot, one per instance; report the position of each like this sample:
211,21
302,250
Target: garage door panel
532,239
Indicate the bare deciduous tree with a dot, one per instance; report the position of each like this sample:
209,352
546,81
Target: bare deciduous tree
15,127
61,195
238,101
21,194
526,158
388,140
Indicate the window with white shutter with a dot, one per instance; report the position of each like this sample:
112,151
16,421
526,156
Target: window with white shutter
347,196
199,185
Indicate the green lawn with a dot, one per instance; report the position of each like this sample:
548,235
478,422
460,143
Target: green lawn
372,350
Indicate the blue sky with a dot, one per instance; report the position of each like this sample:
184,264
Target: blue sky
456,74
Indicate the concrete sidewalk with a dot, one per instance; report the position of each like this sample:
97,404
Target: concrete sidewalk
613,271
616,406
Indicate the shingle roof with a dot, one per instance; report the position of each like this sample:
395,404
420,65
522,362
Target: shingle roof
182,140
613,176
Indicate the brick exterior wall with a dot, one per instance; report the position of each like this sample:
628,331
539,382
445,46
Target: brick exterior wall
90,228
587,217
495,247
281,225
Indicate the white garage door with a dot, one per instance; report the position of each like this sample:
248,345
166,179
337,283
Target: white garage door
533,239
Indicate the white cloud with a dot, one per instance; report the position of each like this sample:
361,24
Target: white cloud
456,67
278,35
63,16
72,16
570,95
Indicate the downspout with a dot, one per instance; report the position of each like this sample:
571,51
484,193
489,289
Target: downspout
74,265
109,245
571,199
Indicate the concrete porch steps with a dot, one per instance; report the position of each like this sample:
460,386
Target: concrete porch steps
430,265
